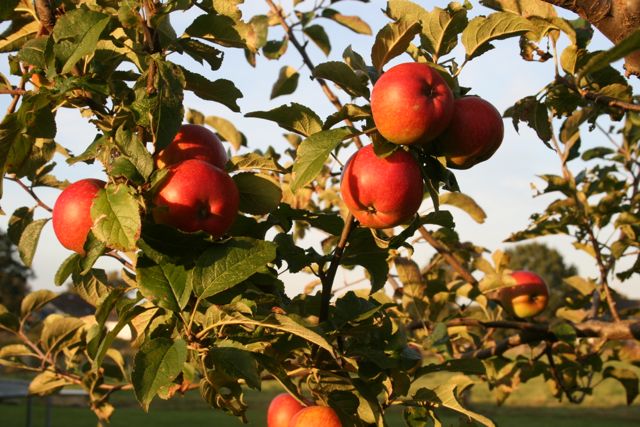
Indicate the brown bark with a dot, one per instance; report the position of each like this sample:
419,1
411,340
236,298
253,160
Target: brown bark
615,19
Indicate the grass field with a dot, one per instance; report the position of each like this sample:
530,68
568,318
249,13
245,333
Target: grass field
531,405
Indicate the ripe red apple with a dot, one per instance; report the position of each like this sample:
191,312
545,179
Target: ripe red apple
72,213
197,196
282,409
474,133
382,192
193,142
411,103
316,416
527,298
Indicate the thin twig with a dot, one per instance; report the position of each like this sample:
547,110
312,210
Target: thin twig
29,190
329,276
448,256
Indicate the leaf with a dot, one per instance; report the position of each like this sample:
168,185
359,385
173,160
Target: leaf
29,240
618,51
259,195
342,75
202,52
441,29
20,219
313,153
466,203
534,113
156,365
482,30
86,42
223,266
58,330
222,91
227,131
219,29
16,37
563,331
362,250
274,49
584,286
134,150
46,383
354,23
626,377
167,109
165,284
317,35
287,82
352,112
6,8
524,8
444,396
8,320
292,117
116,217
392,40
237,363
35,301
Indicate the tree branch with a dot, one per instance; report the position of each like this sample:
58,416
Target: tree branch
329,276
599,99
448,256
615,19
32,193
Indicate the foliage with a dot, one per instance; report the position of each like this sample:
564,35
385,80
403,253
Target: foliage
13,276
212,314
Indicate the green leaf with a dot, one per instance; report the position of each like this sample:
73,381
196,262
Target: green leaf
202,52
274,49
342,75
165,284
564,331
362,250
524,8
584,286
287,82
85,44
481,31
8,320
227,131
392,40
445,395
223,266
354,23
14,38
292,117
35,301
626,377
237,363
134,150
222,91
312,154
20,219
352,112
58,331
466,203
219,29
259,194
618,51
6,8
167,109
92,287
156,365
46,383
116,217
534,113
440,29
318,35
29,240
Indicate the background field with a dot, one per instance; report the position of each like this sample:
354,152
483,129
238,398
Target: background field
531,405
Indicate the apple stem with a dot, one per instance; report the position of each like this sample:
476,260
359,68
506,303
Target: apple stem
329,276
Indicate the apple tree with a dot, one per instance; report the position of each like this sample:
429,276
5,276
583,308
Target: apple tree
210,313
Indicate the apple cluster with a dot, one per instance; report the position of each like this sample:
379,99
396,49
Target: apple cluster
286,411
196,195
412,104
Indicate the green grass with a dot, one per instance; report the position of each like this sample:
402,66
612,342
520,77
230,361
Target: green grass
531,405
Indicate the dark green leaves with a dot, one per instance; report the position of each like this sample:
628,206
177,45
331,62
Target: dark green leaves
156,365
292,117
627,377
313,153
35,301
29,241
287,82
223,266
116,217
166,107
259,195
534,113
354,23
221,90
165,284
620,50
342,75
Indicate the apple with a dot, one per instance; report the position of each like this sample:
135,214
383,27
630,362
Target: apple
382,192
316,416
527,298
72,213
282,409
193,142
474,133
195,196
411,103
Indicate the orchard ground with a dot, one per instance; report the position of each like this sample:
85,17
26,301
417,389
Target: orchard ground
531,405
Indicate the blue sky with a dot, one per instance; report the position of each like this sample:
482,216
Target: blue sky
502,185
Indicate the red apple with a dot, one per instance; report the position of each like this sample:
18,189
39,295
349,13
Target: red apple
527,298
282,409
474,133
316,416
382,192
193,142
197,196
411,103
72,213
